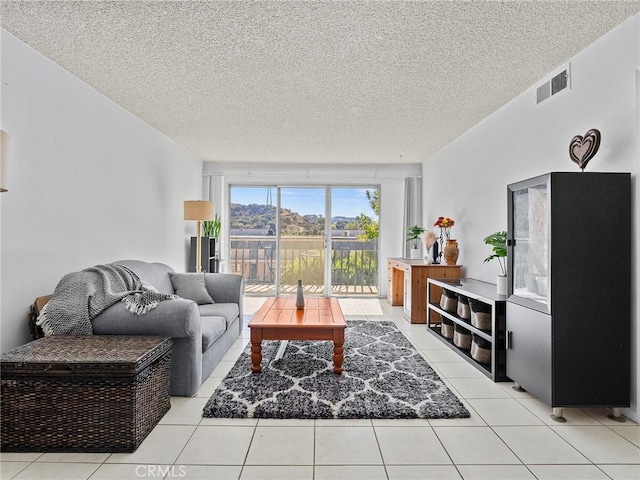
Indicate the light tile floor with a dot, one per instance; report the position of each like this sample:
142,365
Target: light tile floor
510,435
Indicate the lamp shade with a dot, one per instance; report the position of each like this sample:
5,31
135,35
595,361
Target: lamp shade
198,210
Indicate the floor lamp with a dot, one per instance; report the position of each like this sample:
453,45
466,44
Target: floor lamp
198,210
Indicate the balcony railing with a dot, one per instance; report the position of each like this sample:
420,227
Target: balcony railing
354,263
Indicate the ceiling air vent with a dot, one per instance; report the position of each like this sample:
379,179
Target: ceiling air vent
555,85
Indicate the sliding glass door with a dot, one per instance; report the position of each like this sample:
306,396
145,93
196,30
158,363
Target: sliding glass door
252,237
354,240
302,239
327,237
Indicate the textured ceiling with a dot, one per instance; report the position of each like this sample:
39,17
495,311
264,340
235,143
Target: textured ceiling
322,82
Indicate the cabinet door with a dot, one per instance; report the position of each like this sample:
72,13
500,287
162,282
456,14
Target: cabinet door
407,293
390,282
529,350
396,283
529,243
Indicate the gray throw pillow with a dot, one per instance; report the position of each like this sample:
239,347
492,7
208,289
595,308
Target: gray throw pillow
191,286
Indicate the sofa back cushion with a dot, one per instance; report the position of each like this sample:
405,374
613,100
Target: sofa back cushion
191,286
157,274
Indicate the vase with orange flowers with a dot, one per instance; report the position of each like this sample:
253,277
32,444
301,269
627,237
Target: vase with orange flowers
450,248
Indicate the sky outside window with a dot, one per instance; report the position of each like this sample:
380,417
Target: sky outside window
346,202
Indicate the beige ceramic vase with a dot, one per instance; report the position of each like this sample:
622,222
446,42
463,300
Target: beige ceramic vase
451,252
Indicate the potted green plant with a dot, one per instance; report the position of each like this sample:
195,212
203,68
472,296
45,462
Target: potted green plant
414,235
498,242
212,227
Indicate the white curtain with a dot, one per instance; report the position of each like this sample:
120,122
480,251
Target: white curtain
215,189
412,207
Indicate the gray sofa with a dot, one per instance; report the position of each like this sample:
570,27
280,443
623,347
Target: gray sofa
201,334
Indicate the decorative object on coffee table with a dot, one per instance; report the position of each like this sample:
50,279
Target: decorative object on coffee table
300,296
384,377
582,149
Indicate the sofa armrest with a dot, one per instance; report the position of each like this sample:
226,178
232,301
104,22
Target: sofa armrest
178,318
226,288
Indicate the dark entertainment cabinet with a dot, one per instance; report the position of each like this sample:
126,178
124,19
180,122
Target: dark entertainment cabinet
208,258
485,293
569,289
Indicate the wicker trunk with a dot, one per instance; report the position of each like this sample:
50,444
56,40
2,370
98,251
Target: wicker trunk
89,393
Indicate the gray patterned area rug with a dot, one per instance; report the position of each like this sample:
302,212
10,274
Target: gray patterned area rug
384,377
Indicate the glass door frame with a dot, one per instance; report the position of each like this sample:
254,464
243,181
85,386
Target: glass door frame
327,225
541,181
328,242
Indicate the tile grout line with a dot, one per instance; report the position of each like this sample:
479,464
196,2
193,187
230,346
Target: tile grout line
446,451
384,463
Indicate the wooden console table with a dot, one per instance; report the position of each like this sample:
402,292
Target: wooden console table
408,286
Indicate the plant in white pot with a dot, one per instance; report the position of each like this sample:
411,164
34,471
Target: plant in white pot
211,231
212,227
414,236
498,242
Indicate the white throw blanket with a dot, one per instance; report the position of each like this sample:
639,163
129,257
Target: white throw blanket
82,296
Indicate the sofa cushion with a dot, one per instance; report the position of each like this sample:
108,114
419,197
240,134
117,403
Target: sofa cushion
191,286
229,311
154,273
212,328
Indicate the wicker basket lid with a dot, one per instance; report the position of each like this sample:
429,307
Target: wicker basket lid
92,355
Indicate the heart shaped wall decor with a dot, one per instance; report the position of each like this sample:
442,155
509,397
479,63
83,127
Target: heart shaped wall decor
583,149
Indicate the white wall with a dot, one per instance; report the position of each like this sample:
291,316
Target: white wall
89,183
390,178
522,140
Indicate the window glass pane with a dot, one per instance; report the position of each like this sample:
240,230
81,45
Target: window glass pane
531,242
253,237
302,240
354,240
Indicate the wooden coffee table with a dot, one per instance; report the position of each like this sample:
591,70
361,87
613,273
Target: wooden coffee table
278,319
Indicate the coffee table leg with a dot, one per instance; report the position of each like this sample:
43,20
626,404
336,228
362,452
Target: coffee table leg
338,351
256,357
338,357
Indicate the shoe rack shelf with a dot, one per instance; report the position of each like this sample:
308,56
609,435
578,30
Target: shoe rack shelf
493,338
